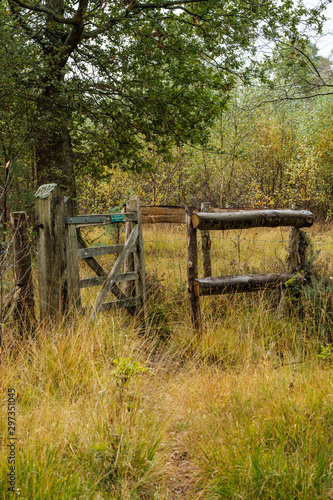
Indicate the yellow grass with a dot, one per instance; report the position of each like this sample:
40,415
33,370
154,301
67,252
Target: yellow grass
244,412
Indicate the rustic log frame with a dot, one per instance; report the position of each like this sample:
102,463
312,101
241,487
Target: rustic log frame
206,221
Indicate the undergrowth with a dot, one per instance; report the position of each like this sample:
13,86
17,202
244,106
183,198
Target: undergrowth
244,411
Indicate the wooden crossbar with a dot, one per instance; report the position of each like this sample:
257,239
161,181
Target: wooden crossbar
248,283
100,219
251,218
99,280
84,253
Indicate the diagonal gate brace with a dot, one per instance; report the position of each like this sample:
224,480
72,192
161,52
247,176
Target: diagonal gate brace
112,277
98,269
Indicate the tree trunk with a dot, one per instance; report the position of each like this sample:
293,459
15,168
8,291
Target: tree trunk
54,154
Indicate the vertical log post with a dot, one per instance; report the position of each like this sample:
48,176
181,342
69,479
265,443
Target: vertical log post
50,222
296,249
24,311
292,258
206,244
139,264
192,272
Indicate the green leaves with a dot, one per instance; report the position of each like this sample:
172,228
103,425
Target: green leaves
124,75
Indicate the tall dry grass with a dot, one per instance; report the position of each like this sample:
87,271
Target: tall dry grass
244,412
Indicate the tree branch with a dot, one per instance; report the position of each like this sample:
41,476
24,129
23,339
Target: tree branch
310,63
135,9
165,5
74,36
45,10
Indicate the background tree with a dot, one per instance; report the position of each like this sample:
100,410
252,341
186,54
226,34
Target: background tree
108,78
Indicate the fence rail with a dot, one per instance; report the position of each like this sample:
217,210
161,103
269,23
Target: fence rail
232,252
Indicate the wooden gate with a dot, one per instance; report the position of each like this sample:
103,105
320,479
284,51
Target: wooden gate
61,248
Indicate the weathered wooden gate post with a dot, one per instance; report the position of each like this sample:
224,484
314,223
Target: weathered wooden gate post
296,249
24,311
135,260
50,222
206,244
130,286
192,272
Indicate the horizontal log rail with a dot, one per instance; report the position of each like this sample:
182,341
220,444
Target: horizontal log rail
248,283
171,214
85,253
252,218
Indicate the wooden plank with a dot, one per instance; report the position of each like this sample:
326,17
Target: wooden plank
99,280
129,288
119,304
163,214
228,284
51,250
73,278
206,244
192,272
97,268
99,219
129,304
112,277
252,218
84,253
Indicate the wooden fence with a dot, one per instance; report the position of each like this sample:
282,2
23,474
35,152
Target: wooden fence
20,300
206,221
61,247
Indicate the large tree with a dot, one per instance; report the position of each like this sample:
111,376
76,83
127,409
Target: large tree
105,78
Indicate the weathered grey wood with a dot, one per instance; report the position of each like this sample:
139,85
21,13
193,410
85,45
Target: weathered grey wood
91,261
163,214
99,280
252,218
296,257
112,277
129,304
24,311
73,278
129,288
10,300
97,268
192,272
119,304
51,250
84,253
250,283
139,265
206,244
98,219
